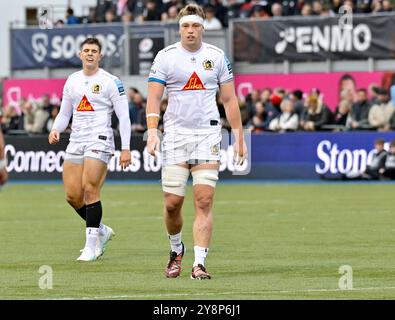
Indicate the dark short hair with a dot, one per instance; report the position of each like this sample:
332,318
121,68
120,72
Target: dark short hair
298,94
379,141
91,40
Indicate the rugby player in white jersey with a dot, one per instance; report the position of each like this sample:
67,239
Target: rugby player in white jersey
192,71
90,96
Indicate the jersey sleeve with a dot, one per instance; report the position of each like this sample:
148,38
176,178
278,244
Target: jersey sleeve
225,70
158,70
66,109
116,90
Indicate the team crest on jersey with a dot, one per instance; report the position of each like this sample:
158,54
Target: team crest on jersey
215,149
96,88
208,64
194,83
85,105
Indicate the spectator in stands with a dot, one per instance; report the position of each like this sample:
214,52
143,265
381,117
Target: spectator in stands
380,113
46,103
259,12
317,114
126,17
40,117
211,22
259,120
233,9
139,125
28,115
102,6
109,16
341,116
162,108
133,109
250,100
317,7
54,112
296,97
277,10
373,95
387,6
220,11
288,120
347,88
388,172
336,4
70,17
152,12
307,10
11,119
170,15
360,112
327,11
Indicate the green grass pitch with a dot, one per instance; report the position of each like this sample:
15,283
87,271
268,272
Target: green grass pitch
281,241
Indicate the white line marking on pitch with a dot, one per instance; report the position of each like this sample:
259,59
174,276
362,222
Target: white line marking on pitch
221,293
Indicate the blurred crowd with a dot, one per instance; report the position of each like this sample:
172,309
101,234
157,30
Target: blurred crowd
266,110
218,12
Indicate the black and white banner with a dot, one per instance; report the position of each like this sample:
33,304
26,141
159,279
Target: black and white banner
59,47
315,38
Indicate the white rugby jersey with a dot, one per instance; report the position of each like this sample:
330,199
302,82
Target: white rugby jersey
91,101
192,80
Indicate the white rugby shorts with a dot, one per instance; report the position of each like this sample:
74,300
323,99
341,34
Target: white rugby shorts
77,151
190,148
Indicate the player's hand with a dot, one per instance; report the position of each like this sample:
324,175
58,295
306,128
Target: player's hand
53,137
153,142
126,159
240,151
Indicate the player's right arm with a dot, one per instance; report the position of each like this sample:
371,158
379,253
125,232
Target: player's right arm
156,86
63,118
155,93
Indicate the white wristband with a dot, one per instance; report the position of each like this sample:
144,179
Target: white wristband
152,115
3,164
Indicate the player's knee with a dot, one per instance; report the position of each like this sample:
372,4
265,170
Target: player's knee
91,193
173,207
174,179
204,202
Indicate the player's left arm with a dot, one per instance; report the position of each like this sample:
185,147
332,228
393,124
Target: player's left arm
232,110
121,108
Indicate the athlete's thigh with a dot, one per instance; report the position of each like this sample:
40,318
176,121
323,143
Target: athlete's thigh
94,172
72,178
207,187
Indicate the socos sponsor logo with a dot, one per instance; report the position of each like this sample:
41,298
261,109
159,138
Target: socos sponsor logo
334,38
67,47
334,161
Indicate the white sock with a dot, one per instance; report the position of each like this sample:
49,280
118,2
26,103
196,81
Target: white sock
91,238
200,255
175,243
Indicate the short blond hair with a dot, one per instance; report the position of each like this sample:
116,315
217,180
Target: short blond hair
192,9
